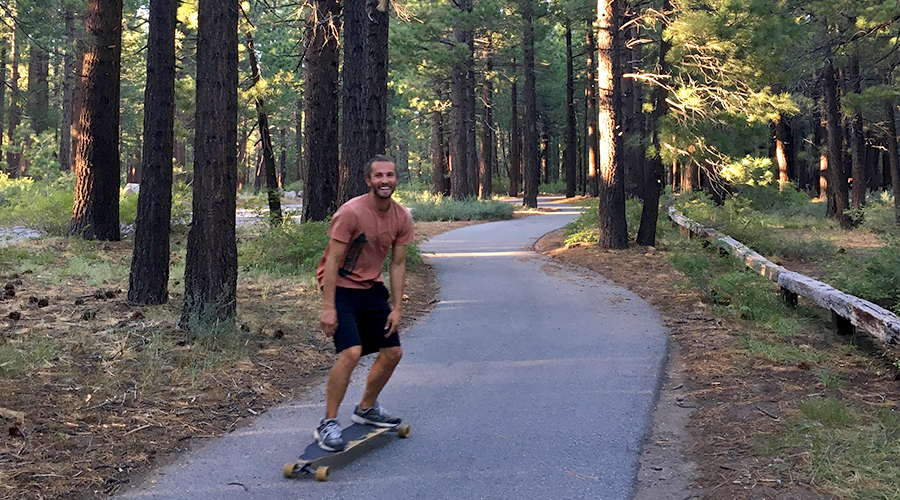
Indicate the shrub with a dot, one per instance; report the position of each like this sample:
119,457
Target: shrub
290,248
428,207
876,278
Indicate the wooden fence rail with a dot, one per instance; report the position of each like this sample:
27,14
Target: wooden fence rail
846,309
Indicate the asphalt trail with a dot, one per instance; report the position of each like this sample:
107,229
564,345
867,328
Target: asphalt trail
529,380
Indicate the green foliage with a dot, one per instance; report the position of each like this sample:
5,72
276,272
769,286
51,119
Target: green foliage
428,207
828,412
875,278
42,205
289,249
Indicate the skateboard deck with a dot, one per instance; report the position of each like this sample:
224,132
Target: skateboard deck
319,462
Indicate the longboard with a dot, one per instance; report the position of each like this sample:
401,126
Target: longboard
319,462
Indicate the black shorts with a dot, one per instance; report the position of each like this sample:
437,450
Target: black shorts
362,315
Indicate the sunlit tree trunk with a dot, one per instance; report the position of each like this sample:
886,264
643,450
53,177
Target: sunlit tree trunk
613,231
590,97
97,164
438,169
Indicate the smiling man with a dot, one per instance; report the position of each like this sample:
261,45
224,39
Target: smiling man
357,311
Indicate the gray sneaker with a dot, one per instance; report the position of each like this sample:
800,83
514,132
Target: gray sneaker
375,416
328,435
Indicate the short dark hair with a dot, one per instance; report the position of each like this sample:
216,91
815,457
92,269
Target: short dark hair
367,169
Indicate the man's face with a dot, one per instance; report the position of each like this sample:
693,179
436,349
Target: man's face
383,179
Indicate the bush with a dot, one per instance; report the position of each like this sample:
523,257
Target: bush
42,205
876,278
428,207
290,248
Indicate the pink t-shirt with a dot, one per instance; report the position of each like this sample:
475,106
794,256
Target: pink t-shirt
371,235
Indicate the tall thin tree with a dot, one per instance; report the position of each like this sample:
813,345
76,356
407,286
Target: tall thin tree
149,279
210,274
532,167
569,157
320,189
97,166
613,232
265,138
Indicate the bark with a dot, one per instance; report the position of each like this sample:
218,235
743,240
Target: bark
821,140
515,140
613,231
590,97
300,163
97,164
530,132
470,119
893,157
265,137
632,118
14,151
459,137
837,179
653,166
781,148
210,275
488,141
365,73
65,134
3,83
438,170
569,157
321,176
857,140
37,104
148,282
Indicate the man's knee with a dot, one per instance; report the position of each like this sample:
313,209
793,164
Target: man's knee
392,354
350,355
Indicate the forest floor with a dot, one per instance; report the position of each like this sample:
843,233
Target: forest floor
107,390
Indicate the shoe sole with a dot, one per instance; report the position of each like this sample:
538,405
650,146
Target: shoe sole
322,444
364,421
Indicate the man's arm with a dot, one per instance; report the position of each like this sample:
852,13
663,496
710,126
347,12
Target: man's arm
334,258
397,272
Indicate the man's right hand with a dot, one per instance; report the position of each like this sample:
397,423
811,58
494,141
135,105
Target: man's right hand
329,322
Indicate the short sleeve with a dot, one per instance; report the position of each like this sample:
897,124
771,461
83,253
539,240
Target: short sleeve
344,225
406,234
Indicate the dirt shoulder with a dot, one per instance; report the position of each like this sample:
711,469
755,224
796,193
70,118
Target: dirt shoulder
719,404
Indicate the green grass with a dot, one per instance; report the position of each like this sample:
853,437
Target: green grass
426,207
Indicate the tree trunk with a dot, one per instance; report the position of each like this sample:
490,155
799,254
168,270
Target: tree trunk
632,118
438,170
300,163
14,151
821,140
781,154
569,157
590,97
837,179
365,73
613,231
321,179
857,139
37,104
148,282
282,160
210,274
65,134
97,165
653,166
893,156
265,137
515,137
531,153
488,141
459,137
470,119
3,84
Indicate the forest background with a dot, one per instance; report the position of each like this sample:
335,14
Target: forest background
774,121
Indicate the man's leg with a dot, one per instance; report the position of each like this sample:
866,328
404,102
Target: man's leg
379,374
339,379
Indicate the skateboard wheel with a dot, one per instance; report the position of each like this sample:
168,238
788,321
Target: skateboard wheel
403,431
323,473
290,470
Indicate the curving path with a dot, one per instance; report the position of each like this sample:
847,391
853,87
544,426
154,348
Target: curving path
529,380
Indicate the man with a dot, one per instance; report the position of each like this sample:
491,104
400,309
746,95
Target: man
355,308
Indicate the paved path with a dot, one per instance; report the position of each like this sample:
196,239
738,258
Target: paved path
529,380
